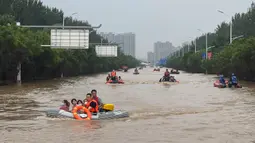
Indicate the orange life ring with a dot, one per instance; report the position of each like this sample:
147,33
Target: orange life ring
79,107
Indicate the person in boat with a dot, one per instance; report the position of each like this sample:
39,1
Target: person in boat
98,99
74,102
91,104
120,78
85,101
113,75
79,102
233,80
167,75
136,70
65,106
95,97
108,77
172,79
222,80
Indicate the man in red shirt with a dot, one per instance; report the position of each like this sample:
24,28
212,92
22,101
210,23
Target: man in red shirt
167,75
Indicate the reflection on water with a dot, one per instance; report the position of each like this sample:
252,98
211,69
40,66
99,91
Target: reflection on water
189,111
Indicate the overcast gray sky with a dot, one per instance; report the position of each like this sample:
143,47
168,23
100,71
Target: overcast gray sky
153,20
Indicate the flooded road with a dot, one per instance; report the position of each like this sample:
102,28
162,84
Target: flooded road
192,111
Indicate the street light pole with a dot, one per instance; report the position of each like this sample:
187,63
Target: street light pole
183,51
230,27
206,43
206,48
230,33
196,45
63,22
188,47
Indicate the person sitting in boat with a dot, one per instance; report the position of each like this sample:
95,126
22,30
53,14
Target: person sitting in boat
233,80
222,80
91,105
172,79
120,78
167,75
85,101
98,99
113,75
65,105
79,102
74,102
136,70
108,77
95,97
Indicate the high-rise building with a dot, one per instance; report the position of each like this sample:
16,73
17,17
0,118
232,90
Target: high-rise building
162,50
150,57
126,41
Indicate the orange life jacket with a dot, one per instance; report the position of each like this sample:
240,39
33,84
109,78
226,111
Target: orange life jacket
92,110
113,73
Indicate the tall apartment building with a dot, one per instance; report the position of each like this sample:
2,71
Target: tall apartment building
126,41
162,50
150,57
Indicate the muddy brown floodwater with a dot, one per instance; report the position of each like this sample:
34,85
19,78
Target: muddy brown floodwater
192,111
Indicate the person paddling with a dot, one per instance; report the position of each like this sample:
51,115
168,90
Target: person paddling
222,80
234,80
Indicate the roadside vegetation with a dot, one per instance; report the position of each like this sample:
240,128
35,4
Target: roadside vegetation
238,57
23,45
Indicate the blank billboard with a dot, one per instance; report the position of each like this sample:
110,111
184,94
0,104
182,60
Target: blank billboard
106,51
70,38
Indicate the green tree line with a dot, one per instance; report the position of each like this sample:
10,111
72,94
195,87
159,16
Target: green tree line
237,57
22,45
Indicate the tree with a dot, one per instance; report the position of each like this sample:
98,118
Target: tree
237,57
22,45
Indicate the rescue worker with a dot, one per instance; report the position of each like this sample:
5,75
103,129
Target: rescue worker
234,80
113,75
222,80
91,105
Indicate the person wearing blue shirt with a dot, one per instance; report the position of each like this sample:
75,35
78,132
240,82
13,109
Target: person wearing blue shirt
222,80
234,80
